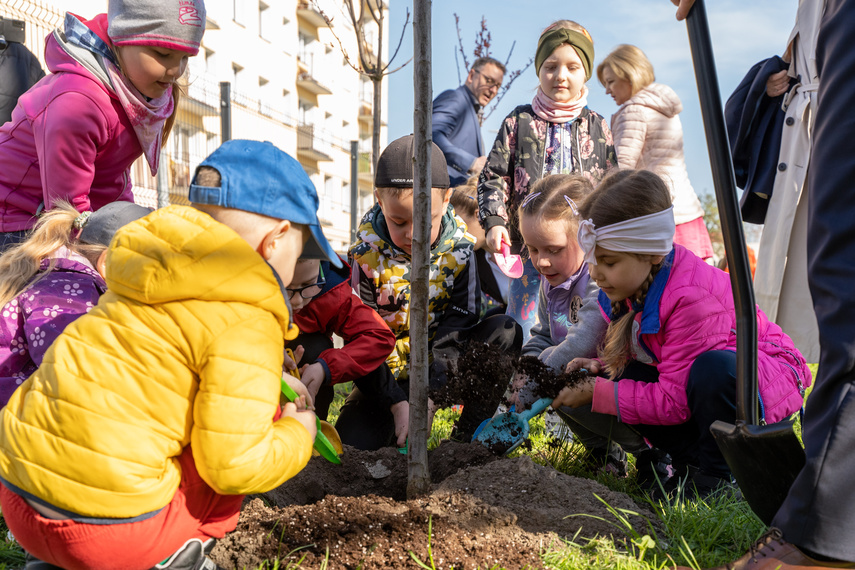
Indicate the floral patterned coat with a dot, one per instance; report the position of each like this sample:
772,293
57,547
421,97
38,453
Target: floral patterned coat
30,322
519,158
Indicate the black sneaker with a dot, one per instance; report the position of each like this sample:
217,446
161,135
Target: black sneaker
193,555
653,466
611,461
33,563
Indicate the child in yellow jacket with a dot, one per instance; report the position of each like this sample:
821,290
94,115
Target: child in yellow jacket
152,415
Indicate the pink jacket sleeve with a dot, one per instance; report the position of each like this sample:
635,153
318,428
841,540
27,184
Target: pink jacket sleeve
68,135
629,130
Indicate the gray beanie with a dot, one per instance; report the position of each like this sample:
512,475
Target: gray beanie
172,24
99,227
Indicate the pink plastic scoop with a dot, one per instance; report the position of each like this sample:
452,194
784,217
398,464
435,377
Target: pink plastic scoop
510,265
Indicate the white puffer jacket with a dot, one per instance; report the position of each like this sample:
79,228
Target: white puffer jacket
648,135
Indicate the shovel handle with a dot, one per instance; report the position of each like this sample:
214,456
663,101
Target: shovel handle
728,207
535,409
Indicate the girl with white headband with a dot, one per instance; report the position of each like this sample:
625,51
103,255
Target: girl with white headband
667,364
554,134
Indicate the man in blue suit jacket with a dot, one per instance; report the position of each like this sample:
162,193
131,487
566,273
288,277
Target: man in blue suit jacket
456,126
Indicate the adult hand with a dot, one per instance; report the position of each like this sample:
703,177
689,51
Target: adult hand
683,7
495,237
401,415
308,419
304,401
477,165
312,376
291,364
592,366
778,83
577,395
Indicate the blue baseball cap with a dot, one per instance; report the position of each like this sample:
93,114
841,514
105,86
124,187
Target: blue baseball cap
258,177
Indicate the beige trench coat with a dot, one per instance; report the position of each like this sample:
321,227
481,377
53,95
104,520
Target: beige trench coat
780,282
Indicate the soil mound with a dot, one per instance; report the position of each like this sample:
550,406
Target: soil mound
483,511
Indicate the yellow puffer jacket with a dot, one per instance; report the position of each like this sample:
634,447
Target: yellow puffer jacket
185,347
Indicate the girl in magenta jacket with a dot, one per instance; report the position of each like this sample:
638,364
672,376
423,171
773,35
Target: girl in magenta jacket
110,99
668,360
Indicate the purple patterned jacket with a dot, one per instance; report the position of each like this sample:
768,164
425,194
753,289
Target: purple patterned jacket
30,322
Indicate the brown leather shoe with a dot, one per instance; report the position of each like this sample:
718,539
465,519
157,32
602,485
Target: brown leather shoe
772,552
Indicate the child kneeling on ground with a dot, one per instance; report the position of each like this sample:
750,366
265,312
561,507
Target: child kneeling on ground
152,416
381,262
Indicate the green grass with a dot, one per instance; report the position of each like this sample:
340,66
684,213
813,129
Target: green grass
698,535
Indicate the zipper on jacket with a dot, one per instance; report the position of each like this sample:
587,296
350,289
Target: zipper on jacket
799,383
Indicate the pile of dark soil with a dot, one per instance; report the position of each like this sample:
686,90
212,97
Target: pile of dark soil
483,511
481,372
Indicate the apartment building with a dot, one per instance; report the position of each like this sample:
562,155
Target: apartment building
288,82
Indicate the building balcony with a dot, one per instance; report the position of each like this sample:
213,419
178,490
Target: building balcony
307,81
366,112
364,167
312,16
310,146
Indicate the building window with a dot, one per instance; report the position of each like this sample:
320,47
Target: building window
237,78
239,11
210,61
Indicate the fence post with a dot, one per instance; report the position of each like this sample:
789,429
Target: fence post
354,188
162,180
225,111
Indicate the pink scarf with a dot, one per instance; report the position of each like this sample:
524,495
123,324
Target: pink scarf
555,112
147,117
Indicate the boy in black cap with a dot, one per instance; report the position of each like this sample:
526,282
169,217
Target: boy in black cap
152,416
381,276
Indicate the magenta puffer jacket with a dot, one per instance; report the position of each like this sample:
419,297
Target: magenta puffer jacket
70,139
688,311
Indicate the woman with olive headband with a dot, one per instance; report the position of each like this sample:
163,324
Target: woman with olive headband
554,134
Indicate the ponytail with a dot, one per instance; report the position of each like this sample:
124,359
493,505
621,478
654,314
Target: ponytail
19,264
616,345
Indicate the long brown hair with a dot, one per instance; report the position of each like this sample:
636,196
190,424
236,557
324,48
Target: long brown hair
20,263
625,195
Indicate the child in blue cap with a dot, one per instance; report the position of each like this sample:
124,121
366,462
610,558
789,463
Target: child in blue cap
154,414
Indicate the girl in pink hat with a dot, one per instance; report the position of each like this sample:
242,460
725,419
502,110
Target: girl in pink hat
110,98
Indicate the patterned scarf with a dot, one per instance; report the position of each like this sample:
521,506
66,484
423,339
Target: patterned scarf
555,112
147,117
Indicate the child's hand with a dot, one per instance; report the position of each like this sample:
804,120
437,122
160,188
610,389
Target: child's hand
517,384
307,418
592,366
495,237
401,414
576,396
304,401
312,376
291,364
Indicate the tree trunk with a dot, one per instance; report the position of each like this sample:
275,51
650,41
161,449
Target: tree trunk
418,481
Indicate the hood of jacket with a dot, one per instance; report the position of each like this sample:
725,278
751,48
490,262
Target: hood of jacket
59,51
179,253
658,97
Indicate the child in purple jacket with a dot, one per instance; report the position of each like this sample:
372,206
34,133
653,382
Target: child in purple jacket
49,280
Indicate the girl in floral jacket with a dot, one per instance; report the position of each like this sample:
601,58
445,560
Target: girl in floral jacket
555,134
50,280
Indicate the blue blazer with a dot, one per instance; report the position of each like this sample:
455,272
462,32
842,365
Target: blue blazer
456,131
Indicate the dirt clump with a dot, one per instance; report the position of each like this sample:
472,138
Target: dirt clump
487,512
545,382
479,372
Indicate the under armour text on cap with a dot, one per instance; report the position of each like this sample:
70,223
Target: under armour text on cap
258,177
395,165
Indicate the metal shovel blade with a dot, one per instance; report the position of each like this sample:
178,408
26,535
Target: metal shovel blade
507,431
765,461
511,265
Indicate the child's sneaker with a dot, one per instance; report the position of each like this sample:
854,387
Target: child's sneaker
193,555
611,461
556,427
653,466
33,563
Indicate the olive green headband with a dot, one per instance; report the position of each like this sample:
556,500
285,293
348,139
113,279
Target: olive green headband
550,40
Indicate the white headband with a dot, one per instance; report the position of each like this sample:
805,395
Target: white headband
652,234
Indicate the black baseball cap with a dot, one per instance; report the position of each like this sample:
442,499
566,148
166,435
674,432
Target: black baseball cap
395,165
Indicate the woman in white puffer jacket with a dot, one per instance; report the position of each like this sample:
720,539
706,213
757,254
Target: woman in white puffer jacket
648,135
